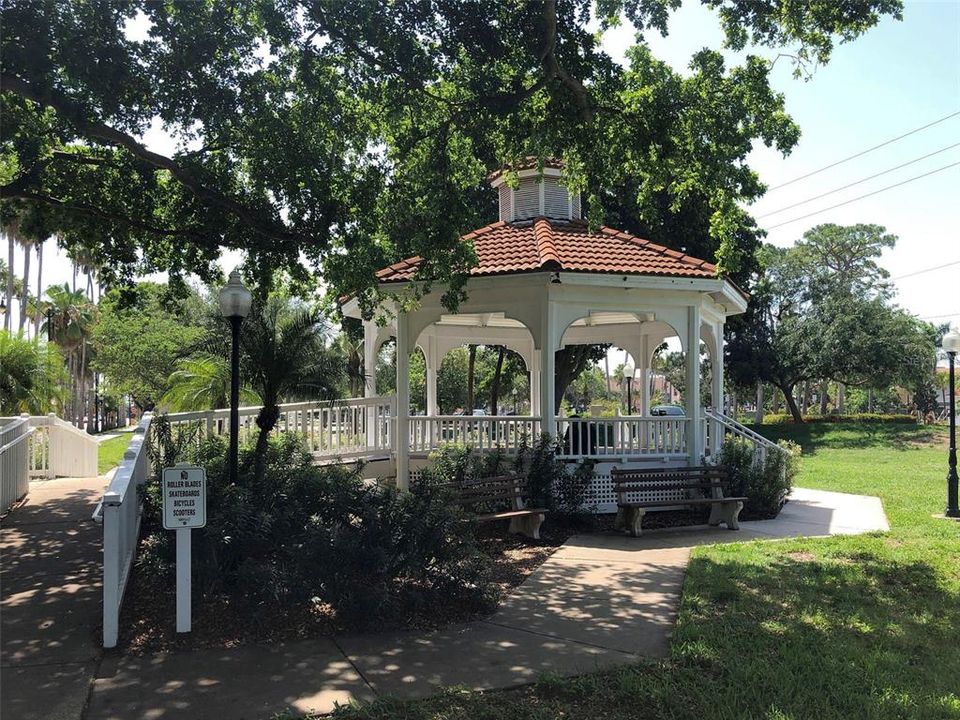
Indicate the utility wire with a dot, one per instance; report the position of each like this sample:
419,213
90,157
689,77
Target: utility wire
921,272
861,197
864,152
937,317
850,185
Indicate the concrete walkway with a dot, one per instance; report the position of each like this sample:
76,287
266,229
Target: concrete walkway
50,599
599,600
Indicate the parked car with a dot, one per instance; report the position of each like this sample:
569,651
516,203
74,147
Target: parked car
667,410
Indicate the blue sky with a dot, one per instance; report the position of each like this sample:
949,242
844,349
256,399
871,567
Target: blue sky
897,77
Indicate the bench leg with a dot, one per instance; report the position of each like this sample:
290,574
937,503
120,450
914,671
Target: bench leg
632,518
528,525
728,513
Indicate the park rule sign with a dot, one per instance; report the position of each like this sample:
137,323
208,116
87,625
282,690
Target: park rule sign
184,490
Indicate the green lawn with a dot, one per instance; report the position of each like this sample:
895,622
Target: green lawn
111,452
845,627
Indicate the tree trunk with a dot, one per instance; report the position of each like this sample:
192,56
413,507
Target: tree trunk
25,291
791,403
841,397
495,385
775,403
606,371
266,421
10,254
824,390
805,397
36,320
471,367
758,413
870,400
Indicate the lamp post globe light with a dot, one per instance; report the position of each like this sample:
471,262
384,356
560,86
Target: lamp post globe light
951,345
628,372
235,302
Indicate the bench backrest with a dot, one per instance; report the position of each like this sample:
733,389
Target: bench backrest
661,484
490,492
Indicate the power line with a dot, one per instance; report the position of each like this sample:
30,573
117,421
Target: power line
861,197
864,152
921,272
883,172
937,317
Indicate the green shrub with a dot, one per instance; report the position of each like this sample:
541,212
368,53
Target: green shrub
765,484
785,418
307,535
561,487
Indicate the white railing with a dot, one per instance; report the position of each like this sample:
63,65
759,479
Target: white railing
14,459
354,427
720,426
622,436
119,511
58,449
481,432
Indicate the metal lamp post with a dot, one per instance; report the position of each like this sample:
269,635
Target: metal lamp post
951,345
628,372
235,302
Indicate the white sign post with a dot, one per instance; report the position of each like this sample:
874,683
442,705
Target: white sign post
184,490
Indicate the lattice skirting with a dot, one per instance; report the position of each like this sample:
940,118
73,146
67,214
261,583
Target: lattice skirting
600,493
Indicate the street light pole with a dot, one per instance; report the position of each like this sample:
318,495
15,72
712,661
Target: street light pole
235,302
951,344
628,372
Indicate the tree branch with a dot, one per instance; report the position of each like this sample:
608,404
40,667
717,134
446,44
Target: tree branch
111,136
10,191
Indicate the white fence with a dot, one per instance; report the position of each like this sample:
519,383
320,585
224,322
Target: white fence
120,512
622,436
355,427
481,432
14,459
58,449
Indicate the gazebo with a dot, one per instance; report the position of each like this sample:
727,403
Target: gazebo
544,281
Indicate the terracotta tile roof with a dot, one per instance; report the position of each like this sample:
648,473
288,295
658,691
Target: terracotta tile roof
504,248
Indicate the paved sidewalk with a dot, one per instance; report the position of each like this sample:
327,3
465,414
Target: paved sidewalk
599,600
50,595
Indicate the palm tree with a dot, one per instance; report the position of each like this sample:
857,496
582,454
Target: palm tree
352,349
31,375
72,319
202,383
287,359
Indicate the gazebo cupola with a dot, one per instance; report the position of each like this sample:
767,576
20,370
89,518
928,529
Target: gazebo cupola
538,194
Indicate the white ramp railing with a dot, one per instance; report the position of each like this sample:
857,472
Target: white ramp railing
354,427
721,426
120,512
14,459
58,449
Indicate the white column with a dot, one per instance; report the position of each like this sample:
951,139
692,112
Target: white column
548,346
716,388
432,359
402,433
535,383
369,358
691,400
643,365
370,337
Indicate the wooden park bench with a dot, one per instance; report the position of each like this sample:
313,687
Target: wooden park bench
640,490
484,495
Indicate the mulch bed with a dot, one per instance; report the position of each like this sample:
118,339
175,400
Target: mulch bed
149,610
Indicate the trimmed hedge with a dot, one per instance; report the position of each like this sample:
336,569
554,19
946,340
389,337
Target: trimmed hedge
786,418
